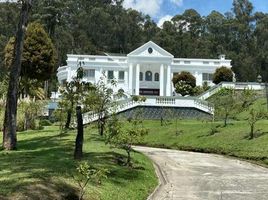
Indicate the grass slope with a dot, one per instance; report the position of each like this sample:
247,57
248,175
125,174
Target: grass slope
195,136
43,165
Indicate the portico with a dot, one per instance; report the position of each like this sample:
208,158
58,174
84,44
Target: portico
152,68
150,79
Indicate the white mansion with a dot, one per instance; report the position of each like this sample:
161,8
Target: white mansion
148,70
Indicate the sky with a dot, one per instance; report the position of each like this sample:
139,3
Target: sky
162,10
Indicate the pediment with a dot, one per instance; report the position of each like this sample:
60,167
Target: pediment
150,49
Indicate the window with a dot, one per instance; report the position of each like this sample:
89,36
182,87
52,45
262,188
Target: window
156,77
90,73
217,63
206,63
187,62
141,76
148,76
207,77
110,75
121,75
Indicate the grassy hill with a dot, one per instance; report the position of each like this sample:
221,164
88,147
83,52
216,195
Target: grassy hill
43,168
212,137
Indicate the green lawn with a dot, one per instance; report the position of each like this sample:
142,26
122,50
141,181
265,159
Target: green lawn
43,165
195,136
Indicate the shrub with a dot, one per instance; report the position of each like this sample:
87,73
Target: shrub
184,83
222,74
45,122
187,77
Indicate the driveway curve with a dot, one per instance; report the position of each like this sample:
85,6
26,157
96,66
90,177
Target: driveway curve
198,176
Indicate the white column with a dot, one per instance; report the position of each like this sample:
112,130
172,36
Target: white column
168,87
126,78
162,80
130,82
137,90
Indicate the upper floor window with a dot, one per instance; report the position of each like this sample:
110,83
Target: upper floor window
121,75
205,62
187,62
90,73
156,77
148,76
110,75
141,76
207,77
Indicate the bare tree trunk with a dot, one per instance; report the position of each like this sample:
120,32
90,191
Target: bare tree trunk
251,135
10,121
78,152
68,120
69,116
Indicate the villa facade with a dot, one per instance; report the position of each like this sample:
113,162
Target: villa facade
148,70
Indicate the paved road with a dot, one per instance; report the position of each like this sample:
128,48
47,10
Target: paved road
196,176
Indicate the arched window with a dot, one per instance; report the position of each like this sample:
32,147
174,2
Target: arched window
148,76
141,76
156,77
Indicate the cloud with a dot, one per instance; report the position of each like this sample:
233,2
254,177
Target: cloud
163,19
177,2
150,7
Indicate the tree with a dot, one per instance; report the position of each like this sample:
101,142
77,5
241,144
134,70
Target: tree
226,104
184,83
255,115
38,57
124,138
72,94
78,152
100,101
9,130
222,74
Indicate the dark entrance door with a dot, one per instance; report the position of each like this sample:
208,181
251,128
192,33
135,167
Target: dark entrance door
149,92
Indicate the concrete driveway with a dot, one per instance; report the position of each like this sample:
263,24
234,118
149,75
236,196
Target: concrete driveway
196,176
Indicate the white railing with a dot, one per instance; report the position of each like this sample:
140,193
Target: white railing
234,85
183,102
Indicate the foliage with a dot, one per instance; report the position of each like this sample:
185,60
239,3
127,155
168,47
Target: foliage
184,88
226,104
45,122
240,33
222,74
101,101
39,54
201,89
138,98
29,110
124,138
184,83
255,115
87,173
186,77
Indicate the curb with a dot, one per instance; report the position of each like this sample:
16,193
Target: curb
161,179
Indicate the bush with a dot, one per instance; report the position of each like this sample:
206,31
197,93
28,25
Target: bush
45,122
184,83
187,77
223,74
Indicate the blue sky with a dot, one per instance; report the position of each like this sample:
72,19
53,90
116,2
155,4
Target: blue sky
161,10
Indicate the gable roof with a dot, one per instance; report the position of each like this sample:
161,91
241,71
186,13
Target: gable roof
154,46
